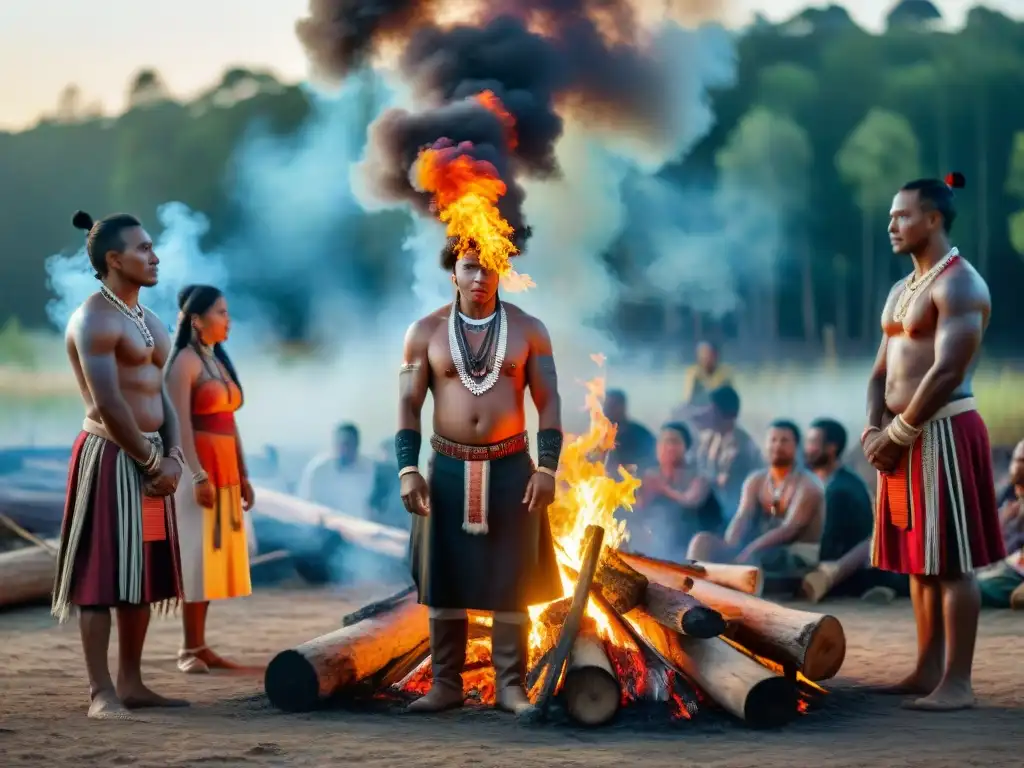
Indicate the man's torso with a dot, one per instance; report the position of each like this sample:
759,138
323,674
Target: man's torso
782,498
347,488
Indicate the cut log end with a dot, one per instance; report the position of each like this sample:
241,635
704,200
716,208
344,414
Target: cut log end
826,650
592,695
770,703
703,622
291,682
620,584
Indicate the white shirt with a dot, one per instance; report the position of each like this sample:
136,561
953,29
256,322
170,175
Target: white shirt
345,489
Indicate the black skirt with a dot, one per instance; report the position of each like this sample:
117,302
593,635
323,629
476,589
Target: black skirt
493,556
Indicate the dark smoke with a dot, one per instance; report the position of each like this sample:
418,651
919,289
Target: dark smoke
571,65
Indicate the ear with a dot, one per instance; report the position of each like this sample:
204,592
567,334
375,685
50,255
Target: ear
454,281
113,259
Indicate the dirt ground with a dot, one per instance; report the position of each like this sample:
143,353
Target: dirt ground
43,701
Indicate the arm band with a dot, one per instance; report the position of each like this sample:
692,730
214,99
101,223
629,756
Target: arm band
549,448
407,448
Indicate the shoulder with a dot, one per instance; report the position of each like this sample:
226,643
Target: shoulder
961,289
755,479
94,320
319,463
421,330
155,324
532,327
186,362
811,485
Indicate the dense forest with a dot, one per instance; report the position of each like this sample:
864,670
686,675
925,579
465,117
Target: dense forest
823,114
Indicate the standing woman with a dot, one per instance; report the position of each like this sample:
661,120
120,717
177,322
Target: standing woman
204,388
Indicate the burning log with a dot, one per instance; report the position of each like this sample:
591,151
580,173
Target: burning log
621,585
593,539
26,574
737,683
591,689
682,612
299,679
811,643
742,578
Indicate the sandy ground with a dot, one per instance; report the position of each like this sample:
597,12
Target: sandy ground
43,700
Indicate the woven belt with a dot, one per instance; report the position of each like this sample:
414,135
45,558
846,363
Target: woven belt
508,447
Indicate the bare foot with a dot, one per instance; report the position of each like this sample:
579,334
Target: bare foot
915,684
106,706
948,697
213,661
141,697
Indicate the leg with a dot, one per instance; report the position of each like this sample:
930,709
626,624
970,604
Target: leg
94,625
510,635
193,619
448,638
961,604
926,596
710,548
132,624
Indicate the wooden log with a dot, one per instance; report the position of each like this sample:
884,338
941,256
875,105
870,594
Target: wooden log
299,679
375,609
737,683
26,574
621,585
742,578
591,689
593,539
682,612
813,644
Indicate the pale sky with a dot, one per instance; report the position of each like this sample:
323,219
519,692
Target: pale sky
100,44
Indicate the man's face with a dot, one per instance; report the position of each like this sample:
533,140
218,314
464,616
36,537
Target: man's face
910,225
780,447
346,447
615,408
817,453
137,262
707,358
475,283
1017,464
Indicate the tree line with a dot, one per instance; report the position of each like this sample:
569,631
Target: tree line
825,119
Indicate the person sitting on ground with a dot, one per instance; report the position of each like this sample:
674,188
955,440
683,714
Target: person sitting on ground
781,516
634,443
845,567
1002,583
675,501
705,376
343,479
726,453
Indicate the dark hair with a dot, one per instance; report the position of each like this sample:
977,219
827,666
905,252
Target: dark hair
726,401
789,425
937,195
680,429
348,428
616,394
103,236
834,432
709,344
450,252
193,301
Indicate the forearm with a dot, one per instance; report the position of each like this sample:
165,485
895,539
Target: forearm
549,414
120,423
188,446
775,538
934,391
170,431
876,401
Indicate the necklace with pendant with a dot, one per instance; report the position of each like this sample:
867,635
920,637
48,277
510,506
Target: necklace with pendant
478,372
777,492
136,315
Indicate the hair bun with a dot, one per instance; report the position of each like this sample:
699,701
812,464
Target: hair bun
82,220
955,180
185,294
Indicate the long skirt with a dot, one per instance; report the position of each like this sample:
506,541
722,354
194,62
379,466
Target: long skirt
481,548
936,515
117,546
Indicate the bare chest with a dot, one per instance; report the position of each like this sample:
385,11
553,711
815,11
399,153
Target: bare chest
910,314
775,499
442,360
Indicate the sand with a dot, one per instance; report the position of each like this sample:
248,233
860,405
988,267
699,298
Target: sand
43,701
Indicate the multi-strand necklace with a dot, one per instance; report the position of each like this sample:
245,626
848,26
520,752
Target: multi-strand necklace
914,284
777,492
478,370
137,314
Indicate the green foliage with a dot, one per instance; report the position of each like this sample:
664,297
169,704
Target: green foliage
881,154
16,347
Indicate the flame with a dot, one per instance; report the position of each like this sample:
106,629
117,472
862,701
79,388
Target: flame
466,191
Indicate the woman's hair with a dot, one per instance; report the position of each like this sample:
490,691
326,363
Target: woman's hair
196,301
682,430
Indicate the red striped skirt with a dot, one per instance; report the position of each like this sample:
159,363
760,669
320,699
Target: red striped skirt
117,546
936,514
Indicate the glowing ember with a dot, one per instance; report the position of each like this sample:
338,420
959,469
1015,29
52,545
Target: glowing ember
466,191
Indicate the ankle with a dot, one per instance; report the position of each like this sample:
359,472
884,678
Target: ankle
100,689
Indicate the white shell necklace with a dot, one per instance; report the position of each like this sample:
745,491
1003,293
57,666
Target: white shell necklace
491,378
136,315
915,284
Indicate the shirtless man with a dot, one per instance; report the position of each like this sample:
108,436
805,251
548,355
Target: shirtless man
936,516
481,538
780,518
117,546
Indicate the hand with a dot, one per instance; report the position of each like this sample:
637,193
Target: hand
415,494
655,484
540,492
204,494
165,481
722,480
744,557
248,494
883,454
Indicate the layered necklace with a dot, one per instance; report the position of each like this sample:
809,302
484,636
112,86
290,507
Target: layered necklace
915,284
777,492
137,314
478,370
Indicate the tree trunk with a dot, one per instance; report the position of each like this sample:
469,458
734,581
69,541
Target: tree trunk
743,578
26,575
868,280
842,298
809,304
620,584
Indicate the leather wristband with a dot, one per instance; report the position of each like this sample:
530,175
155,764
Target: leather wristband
549,448
407,447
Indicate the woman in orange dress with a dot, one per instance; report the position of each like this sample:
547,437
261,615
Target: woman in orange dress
204,388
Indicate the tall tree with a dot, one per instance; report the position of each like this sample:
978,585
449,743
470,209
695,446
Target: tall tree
1015,188
880,154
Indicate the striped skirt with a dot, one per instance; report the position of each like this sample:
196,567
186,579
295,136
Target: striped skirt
936,515
117,546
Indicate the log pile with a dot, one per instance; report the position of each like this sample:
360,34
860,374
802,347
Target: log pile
26,574
629,616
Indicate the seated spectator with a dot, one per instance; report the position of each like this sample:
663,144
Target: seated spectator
781,515
705,376
634,444
675,502
726,454
845,567
342,479
386,500
1002,583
